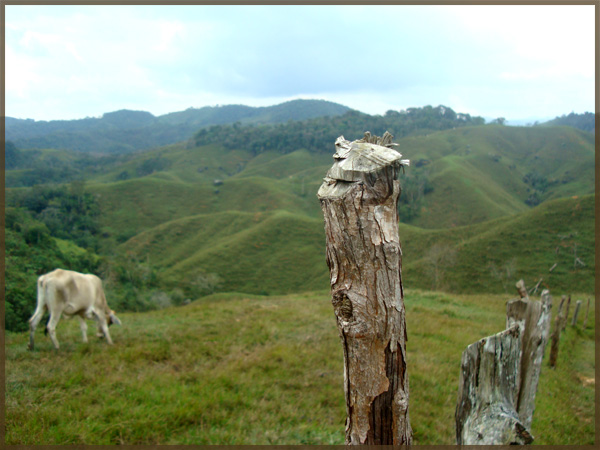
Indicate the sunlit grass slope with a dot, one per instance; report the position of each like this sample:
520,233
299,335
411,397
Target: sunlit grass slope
478,172
241,369
280,252
529,244
271,252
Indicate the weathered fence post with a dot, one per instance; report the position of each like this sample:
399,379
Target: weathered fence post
500,374
587,312
566,316
576,313
488,392
521,289
359,201
533,317
555,338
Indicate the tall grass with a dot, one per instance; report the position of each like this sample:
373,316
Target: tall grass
241,369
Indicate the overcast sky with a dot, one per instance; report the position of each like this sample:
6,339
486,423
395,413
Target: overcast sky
517,62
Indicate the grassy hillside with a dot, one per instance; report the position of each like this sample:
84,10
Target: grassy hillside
489,256
240,369
178,217
280,252
249,220
273,252
481,173
475,173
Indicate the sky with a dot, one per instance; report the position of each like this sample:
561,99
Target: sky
518,62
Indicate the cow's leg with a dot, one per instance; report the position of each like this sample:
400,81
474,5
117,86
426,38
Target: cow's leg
83,327
34,322
54,318
104,327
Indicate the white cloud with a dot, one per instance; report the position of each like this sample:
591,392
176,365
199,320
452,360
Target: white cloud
23,73
69,62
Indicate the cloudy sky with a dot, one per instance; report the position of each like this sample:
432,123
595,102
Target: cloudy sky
517,62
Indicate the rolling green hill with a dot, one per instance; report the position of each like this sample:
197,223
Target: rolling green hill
481,206
280,252
481,173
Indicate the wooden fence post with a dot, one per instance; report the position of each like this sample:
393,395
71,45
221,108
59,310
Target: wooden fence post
488,392
555,338
566,316
521,289
533,317
359,201
587,312
576,313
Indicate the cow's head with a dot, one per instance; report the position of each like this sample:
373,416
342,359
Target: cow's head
112,318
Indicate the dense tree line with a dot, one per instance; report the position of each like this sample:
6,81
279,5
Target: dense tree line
128,131
319,134
585,121
26,168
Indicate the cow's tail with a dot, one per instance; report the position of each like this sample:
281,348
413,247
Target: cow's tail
39,310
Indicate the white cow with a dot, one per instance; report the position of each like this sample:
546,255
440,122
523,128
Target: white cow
72,294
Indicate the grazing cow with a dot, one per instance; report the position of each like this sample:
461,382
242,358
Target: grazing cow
72,294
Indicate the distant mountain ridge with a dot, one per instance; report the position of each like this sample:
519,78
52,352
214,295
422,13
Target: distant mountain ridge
125,131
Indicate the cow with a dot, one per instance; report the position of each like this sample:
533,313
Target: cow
72,294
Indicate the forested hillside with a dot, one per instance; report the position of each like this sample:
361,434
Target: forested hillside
234,208
585,121
127,131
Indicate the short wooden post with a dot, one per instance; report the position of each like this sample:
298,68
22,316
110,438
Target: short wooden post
587,312
359,201
563,299
533,317
576,313
555,338
566,316
488,392
521,289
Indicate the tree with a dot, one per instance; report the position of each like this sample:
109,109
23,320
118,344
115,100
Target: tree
439,258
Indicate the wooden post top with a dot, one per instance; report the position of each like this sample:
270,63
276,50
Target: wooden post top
359,161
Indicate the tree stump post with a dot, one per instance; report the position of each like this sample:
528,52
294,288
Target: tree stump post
488,392
359,201
576,313
533,317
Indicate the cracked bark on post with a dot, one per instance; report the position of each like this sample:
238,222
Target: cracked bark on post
533,317
488,392
359,197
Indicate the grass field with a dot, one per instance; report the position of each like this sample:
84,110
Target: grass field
242,369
